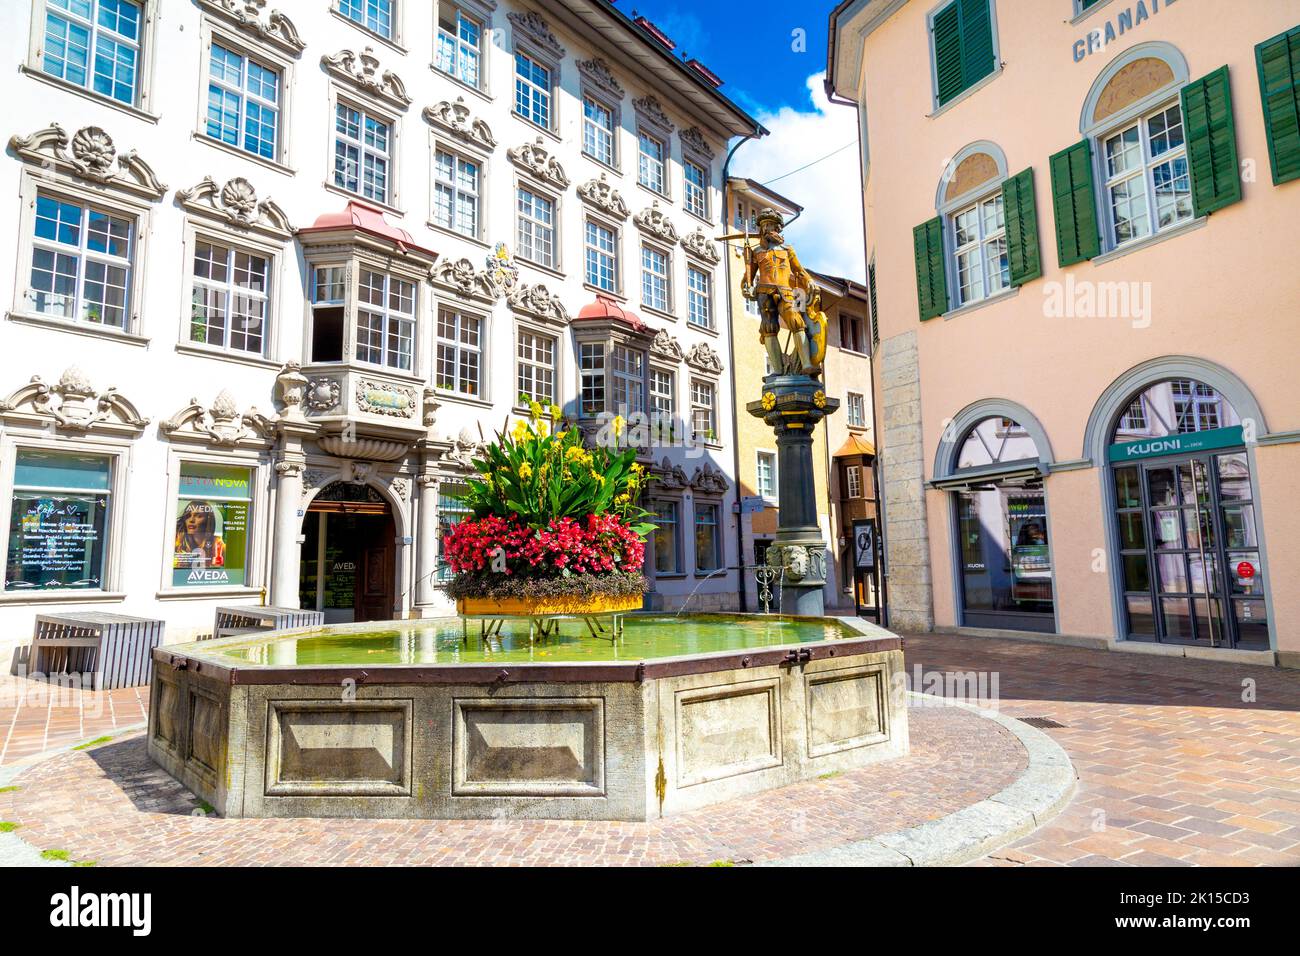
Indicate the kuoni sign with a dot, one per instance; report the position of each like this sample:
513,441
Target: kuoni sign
1177,444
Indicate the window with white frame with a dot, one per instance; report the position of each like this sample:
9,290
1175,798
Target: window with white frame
650,162
329,296
655,279
663,395
597,130
459,50
82,257
95,44
243,102
765,476
699,297
459,353
591,371
1196,406
533,90
456,187
375,15
703,416
1148,187
980,262
667,537
362,152
385,320
229,307
59,521
601,244
628,366
696,190
536,354
853,481
708,538
856,410
535,227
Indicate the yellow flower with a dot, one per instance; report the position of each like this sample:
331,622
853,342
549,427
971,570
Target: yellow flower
819,398
535,410
525,470
638,469
560,435
556,411
623,499
617,424
769,401
520,431
542,429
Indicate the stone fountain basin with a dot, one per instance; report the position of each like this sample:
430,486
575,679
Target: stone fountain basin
629,739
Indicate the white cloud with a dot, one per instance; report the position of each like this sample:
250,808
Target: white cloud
828,235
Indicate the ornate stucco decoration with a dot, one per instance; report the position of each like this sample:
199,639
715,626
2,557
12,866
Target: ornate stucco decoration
236,204
89,154
464,449
369,449
532,26
291,390
73,404
704,357
655,221
536,159
694,141
455,118
323,393
386,398
400,487
539,301
276,29
314,478
597,71
361,70
665,346
498,278
602,194
697,243
648,107
429,414
220,423
671,477
708,480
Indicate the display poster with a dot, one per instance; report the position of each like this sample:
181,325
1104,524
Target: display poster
56,541
212,526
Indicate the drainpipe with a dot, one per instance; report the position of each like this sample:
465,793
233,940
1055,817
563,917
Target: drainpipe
731,348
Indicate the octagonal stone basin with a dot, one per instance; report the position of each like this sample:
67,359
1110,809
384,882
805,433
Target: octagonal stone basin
617,718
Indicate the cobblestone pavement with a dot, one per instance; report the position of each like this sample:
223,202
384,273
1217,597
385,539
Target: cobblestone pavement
1175,767
111,805
36,717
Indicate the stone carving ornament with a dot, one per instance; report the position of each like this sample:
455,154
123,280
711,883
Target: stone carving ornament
291,388
498,278
665,346
704,357
464,449
693,140
709,480
237,204
455,118
89,154
535,158
400,487
322,394
384,398
538,300
698,244
73,403
602,194
277,29
219,423
655,221
671,477
532,26
648,106
597,71
362,71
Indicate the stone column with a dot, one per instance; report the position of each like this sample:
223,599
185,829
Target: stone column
426,540
287,545
793,405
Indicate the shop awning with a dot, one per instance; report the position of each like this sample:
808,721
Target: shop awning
855,445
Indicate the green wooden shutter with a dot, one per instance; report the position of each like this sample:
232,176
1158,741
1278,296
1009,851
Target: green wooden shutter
931,276
1021,213
947,52
1278,60
976,41
1075,208
1211,142
875,319
963,47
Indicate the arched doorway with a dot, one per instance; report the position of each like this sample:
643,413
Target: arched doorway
349,554
1184,518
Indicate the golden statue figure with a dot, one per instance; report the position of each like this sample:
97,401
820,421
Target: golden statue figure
786,296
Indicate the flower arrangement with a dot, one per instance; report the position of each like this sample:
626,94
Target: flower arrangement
549,517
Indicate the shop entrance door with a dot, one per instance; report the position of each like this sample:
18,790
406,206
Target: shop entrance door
349,555
1191,567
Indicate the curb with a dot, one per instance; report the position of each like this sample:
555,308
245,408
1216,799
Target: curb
1040,792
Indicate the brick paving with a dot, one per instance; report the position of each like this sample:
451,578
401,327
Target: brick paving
1175,767
37,717
111,805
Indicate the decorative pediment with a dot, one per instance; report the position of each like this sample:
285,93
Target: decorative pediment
602,194
671,477
455,118
361,70
464,449
73,404
598,73
693,140
498,278
667,347
276,29
236,204
709,480
531,25
89,154
219,423
539,301
648,107
536,159
703,356
697,243
655,221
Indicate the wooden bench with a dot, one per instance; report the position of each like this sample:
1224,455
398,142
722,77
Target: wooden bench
115,650
249,619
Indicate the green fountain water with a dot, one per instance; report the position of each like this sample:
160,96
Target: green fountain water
456,641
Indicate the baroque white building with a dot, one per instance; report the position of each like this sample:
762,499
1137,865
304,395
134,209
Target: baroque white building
277,273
